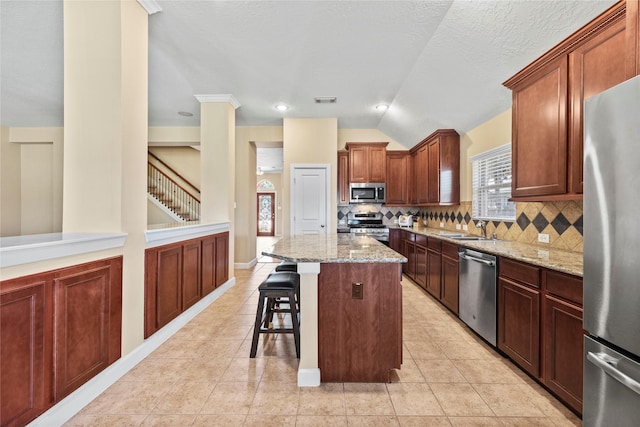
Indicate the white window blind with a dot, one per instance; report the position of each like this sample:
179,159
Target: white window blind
492,185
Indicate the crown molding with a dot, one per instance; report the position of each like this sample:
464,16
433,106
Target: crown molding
227,97
151,6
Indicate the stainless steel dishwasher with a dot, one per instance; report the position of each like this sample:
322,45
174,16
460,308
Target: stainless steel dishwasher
478,293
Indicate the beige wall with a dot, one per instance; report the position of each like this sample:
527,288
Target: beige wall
245,213
10,198
311,141
490,134
184,160
174,136
368,135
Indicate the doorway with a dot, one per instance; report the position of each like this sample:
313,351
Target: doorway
266,214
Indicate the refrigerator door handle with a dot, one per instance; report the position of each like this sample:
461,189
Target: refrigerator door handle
608,365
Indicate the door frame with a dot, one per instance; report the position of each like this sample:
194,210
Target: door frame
273,212
292,169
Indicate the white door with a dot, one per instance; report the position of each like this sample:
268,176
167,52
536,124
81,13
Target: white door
309,207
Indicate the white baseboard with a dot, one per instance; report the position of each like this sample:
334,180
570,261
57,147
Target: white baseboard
72,404
245,265
309,377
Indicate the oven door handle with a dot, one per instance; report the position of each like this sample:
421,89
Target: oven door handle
609,365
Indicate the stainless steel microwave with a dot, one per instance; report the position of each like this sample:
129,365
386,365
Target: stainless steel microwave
367,192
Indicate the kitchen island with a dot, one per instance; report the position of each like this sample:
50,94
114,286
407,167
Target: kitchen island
351,307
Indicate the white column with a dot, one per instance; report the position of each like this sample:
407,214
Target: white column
308,369
217,154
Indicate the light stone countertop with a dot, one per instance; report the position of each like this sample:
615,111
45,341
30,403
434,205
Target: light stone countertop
333,248
553,259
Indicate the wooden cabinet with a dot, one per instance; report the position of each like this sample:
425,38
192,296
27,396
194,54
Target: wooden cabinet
58,329
395,240
548,99
25,353
367,161
563,337
540,326
434,267
179,274
633,38
343,178
421,261
359,339
450,274
436,169
398,178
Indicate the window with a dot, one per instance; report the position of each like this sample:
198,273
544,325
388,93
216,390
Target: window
492,185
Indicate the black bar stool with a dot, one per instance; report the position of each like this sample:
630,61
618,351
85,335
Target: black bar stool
287,266
278,285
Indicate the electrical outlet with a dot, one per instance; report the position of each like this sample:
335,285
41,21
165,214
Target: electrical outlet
442,225
458,226
465,227
543,238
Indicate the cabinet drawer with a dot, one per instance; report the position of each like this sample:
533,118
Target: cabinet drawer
421,240
409,236
450,250
435,244
564,286
524,273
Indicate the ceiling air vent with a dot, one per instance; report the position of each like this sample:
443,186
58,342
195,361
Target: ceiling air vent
326,99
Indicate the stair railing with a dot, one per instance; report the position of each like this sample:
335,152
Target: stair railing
168,192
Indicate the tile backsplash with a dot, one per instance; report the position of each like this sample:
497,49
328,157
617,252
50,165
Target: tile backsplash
562,221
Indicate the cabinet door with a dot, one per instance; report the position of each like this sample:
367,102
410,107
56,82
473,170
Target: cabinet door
409,268
358,164
596,66
433,179
87,322
434,273
421,266
421,165
222,258
168,285
519,324
394,239
540,132
24,373
343,178
397,179
450,283
377,164
191,273
563,350
208,265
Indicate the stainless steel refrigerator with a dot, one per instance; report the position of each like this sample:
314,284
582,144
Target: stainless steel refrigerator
612,257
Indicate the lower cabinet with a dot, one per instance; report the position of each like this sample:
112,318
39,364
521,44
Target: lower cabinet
434,267
540,326
450,285
178,275
58,329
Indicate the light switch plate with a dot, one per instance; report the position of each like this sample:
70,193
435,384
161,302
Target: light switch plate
543,238
442,225
465,227
458,226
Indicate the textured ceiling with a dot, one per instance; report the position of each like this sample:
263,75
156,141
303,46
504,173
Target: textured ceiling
438,64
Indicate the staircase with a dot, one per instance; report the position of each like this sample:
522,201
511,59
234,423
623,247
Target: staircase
163,186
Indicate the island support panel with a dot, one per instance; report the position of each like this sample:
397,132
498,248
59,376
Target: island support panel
359,321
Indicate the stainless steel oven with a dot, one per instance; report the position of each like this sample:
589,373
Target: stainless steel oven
368,224
367,192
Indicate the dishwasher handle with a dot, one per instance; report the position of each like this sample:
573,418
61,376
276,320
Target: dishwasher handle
462,255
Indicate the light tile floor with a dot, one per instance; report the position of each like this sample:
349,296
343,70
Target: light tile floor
203,376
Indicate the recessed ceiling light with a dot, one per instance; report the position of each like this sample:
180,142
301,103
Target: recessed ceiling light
185,113
281,107
382,107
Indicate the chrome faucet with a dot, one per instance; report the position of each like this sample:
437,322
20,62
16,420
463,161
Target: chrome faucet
483,228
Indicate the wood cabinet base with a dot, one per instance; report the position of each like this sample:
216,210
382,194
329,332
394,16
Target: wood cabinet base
359,339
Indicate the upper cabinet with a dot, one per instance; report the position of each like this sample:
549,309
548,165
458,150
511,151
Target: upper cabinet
436,169
398,177
343,177
548,99
367,161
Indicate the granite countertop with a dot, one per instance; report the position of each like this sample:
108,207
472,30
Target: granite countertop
333,248
553,259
